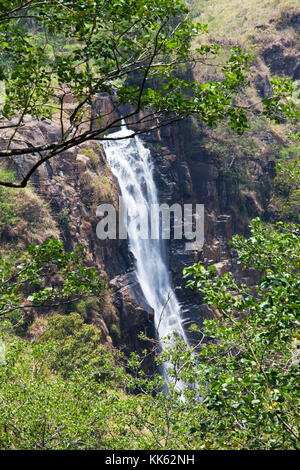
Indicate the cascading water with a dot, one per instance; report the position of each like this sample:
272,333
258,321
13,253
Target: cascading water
131,163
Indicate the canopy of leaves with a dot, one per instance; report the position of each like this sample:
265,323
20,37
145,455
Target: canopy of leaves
286,194
58,56
251,366
41,410
76,345
47,278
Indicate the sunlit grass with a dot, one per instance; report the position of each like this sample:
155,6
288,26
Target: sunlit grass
238,19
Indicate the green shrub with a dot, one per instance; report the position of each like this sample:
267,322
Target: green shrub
115,333
94,159
76,346
8,210
85,307
64,221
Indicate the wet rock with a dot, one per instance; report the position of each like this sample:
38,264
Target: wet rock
223,228
136,316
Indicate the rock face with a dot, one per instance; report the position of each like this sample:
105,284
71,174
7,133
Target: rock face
79,180
136,316
73,185
185,180
282,58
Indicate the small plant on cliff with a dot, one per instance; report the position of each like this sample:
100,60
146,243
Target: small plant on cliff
8,215
94,158
287,184
64,221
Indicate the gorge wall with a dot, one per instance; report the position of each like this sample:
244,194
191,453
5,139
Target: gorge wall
76,182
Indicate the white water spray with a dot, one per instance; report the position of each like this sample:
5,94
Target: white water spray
131,163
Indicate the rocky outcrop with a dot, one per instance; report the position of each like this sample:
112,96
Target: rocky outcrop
289,18
135,315
71,186
282,58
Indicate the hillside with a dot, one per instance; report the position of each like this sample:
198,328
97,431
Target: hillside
270,31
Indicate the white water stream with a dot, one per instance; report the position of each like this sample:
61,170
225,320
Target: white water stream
131,163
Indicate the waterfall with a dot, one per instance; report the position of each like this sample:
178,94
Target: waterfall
131,163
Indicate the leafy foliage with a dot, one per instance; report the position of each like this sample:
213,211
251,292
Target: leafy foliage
287,184
237,389
280,104
58,56
41,410
251,366
77,346
48,277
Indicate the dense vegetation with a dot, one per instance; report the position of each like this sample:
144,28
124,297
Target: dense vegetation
65,391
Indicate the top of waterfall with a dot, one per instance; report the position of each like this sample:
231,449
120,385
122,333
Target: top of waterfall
123,132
